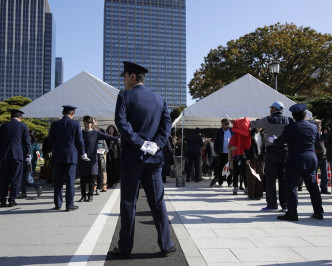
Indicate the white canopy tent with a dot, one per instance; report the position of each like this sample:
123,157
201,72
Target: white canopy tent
89,94
246,96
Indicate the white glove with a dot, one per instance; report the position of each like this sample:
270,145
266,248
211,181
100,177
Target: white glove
28,158
85,157
144,147
152,148
271,139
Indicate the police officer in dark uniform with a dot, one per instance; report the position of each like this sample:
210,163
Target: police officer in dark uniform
144,123
65,137
194,146
14,138
301,161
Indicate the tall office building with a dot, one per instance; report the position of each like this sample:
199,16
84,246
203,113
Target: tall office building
151,33
58,71
27,48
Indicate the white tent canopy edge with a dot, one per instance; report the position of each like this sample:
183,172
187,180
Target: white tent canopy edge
244,97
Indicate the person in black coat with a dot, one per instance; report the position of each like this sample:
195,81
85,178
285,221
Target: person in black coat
14,139
112,158
88,170
255,159
194,153
301,161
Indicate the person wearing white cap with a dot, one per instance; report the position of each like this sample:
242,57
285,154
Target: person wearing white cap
275,156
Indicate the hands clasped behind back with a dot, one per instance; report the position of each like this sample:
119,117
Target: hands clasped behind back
149,147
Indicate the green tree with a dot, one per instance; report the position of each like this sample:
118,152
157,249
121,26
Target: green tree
304,55
17,102
176,112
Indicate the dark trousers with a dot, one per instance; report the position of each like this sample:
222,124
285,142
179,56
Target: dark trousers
10,173
255,187
150,177
309,177
64,173
275,168
90,180
194,158
239,169
221,161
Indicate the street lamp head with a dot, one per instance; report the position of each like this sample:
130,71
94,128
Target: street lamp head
275,67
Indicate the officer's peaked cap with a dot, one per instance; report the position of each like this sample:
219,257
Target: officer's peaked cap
133,68
69,107
16,112
298,108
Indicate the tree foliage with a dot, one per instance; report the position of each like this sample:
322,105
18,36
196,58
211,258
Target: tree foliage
17,102
176,112
304,55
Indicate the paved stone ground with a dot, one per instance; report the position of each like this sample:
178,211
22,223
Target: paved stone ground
216,227
213,227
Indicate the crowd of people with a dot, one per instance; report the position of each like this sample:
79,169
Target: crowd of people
250,156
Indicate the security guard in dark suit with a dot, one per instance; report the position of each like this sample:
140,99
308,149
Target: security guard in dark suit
14,138
301,161
194,153
65,137
143,120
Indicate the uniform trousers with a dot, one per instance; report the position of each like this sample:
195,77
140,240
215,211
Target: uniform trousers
194,158
255,187
150,176
275,168
64,173
309,178
10,173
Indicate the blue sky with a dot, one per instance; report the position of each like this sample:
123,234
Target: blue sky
210,23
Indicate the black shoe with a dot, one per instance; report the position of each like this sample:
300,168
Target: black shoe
188,180
12,204
3,204
89,199
197,180
213,182
287,218
165,253
318,216
74,208
325,192
83,198
299,189
241,188
118,253
56,208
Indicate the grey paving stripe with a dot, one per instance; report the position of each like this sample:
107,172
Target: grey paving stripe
146,250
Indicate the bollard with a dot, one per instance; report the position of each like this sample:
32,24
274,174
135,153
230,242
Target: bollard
180,181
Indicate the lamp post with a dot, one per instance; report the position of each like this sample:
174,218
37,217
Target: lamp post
275,68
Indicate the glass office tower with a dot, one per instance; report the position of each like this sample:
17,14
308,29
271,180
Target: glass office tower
27,48
58,71
151,33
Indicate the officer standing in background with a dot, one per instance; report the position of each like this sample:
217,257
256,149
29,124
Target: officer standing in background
301,161
65,137
143,121
194,153
275,156
14,139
